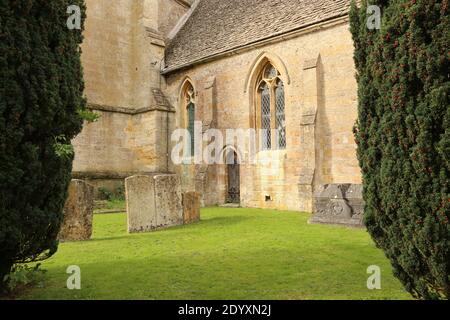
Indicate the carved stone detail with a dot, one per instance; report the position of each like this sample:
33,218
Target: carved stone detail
339,204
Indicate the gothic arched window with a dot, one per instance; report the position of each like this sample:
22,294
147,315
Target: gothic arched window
271,109
189,96
280,117
266,117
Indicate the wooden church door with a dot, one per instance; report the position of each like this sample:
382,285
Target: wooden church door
234,183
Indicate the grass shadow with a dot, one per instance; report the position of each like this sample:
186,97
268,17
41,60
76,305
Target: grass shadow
215,222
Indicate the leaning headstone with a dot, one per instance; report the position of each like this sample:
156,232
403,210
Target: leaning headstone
339,204
78,212
191,207
153,202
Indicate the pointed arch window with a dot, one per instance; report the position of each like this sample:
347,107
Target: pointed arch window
189,95
271,107
266,117
191,125
280,117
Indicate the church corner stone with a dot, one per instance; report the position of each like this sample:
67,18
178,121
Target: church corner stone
191,207
78,212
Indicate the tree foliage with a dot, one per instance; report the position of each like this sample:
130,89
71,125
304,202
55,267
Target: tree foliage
403,137
41,97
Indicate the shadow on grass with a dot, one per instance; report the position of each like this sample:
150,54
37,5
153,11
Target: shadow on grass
230,254
210,223
219,275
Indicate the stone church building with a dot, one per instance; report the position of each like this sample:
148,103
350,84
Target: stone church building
283,66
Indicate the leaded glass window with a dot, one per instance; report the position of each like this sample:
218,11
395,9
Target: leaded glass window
270,72
191,126
272,109
189,96
266,117
280,115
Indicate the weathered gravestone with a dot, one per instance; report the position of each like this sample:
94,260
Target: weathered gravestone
140,197
339,204
191,207
153,202
168,200
78,212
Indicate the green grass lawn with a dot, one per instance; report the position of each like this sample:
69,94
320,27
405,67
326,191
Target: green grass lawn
230,254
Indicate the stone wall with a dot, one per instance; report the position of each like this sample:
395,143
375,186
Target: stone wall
119,144
170,13
122,51
321,109
123,48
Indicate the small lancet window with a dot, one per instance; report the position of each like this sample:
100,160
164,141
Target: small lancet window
190,112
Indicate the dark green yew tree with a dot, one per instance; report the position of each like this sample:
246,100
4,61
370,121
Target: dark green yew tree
403,137
41,101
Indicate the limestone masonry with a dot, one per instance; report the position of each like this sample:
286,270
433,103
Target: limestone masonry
153,66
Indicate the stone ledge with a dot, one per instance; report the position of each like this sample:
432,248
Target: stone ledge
311,63
155,37
307,176
185,3
158,102
106,175
128,111
308,119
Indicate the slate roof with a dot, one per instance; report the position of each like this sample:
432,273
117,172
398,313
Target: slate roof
217,26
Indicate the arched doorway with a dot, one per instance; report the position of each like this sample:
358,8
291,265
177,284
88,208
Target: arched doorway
233,177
